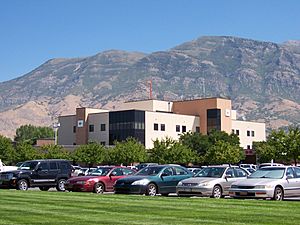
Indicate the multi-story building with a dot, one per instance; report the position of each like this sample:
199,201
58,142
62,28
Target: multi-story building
149,120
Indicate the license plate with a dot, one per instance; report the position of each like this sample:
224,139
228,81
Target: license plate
243,193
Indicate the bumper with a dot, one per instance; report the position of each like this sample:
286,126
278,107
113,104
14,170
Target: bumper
193,191
79,187
130,189
7,184
251,193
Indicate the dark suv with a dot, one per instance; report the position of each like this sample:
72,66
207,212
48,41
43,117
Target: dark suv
38,173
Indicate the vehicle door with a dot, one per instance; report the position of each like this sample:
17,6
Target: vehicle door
228,179
168,181
181,174
53,171
297,181
114,175
291,183
42,174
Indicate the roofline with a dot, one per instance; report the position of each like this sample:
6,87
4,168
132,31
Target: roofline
197,99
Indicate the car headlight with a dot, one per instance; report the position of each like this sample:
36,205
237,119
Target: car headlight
262,186
179,183
204,184
80,182
141,182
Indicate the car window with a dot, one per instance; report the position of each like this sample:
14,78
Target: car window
216,172
127,171
179,171
43,166
168,171
297,172
149,171
230,172
100,171
53,166
290,172
28,165
268,172
117,172
64,166
240,173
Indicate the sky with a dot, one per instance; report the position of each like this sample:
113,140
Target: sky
34,31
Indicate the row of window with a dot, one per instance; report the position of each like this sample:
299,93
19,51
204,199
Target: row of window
92,128
250,133
163,127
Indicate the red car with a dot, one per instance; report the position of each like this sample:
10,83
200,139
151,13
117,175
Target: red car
100,180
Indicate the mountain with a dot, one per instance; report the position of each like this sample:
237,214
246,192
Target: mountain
262,79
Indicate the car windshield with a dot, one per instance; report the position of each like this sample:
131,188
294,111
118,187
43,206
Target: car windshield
273,173
149,171
101,171
216,172
28,166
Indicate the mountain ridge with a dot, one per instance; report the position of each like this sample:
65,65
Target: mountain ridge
256,75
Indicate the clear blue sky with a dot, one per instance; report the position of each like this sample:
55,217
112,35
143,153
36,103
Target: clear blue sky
32,32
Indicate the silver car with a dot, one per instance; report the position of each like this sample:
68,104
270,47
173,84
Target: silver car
213,181
275,182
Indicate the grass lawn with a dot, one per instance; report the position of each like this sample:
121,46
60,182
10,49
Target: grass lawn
36,207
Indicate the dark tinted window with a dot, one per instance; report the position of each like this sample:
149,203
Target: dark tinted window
43,166
213,119
91,128
177,128
74,129
183,129
53,166
252,133
197,129
240,173
155,126
237,132
248,133
64,166
102,127
162,127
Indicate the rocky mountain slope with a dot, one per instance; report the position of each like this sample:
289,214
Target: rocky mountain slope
262,79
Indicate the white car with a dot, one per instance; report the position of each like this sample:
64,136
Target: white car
275,182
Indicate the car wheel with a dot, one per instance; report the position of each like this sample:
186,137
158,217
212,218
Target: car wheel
44,188
22,185
99,188
151,189
278,194
61,185
217,192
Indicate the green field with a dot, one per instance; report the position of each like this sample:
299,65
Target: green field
36,207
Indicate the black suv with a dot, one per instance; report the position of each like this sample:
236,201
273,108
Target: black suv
44,174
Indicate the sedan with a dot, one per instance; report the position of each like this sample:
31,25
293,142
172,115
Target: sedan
275,182
213,181
100,180
152,180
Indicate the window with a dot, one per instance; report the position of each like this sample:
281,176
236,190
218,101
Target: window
162,127
297,172
290,172
213,119
177,128
43,166
117,172
127,171
248,147
197,129
248,133
252,133
232,131
102,127
183,129
74,129
53,166
237,132
91,128
168,172
156,126
230,172
180,171
102,143
240,172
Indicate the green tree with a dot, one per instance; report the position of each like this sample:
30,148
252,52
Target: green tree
224,152
292,144
278,140
264,151
128,152
7,151
170,151
25,151
30,133
90,154
54,152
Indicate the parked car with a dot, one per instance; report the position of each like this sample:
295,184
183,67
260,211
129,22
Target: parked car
245,166
275,182
100,180
4,168
213,181
250,170
38,173
153,180
269,164
85,171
